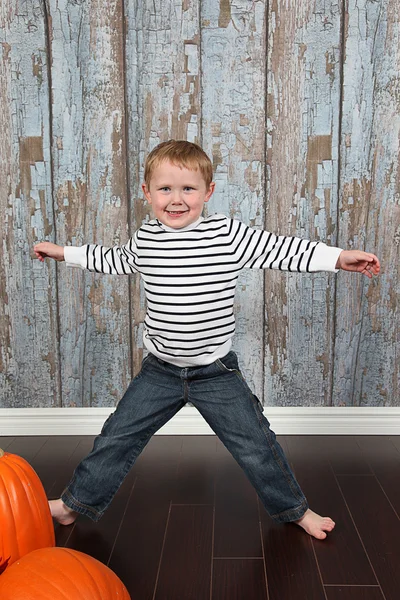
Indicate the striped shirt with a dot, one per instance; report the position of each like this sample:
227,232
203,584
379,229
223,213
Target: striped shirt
190,276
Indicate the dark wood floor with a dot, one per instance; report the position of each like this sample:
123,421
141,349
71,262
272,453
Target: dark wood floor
186,524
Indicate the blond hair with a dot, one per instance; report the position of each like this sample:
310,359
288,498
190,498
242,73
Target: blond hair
182,154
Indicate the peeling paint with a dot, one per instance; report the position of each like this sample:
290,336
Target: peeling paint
6,51
330,64
50,359
302,51
252,177
37,68
325,360
319,148
216,156
224,13
148,112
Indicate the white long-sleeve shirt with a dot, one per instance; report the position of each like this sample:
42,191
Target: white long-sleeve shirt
190,276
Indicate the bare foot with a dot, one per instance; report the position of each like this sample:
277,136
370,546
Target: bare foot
61,513
315,525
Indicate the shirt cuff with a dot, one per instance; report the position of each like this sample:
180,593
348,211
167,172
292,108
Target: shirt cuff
325,258
75,256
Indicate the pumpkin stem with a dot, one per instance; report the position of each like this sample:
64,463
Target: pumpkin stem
4,565
1,452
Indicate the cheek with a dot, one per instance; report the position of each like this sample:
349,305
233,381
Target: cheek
158,202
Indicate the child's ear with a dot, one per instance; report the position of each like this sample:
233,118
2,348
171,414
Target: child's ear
210,191
146,193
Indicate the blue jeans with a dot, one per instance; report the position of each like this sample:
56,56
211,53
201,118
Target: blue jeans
156,394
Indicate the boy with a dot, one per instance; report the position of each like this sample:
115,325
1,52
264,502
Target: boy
190,266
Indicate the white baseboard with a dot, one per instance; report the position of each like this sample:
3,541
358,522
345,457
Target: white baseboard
283,420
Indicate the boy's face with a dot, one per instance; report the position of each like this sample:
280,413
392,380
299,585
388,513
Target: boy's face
177,194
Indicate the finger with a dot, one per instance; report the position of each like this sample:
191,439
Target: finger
375,268
366,271
374,259
373,265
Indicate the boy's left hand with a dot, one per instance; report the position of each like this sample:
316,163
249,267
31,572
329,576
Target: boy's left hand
357,260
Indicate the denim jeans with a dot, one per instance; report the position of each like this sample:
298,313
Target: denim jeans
156,394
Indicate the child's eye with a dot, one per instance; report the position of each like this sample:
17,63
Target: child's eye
164,188
188,187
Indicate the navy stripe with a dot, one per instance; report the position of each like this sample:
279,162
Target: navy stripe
191,331
182,294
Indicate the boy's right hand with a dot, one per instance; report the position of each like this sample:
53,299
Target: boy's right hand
48,250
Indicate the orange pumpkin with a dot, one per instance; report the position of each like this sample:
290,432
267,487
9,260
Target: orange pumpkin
60,574
25,519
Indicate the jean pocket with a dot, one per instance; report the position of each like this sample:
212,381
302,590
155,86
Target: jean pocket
229,364
223,367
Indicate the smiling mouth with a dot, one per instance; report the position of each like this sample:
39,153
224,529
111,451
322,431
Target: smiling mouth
176,212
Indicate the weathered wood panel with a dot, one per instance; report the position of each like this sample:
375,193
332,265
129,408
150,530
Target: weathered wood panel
233,41
29,362
163,100
89,88
367,330
302,160
89,157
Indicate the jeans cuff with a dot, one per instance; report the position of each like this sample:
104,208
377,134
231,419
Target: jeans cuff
292,514
78,507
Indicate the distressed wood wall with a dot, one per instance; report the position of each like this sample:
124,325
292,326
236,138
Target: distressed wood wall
297,102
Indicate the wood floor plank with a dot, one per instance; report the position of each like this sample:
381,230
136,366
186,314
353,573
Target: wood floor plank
52,456
395,439
185,569
378,526
384,460
5,441
283,442
161,456
354,593
66,468
341,557
238,579
27,446
137,551
236,528
196,471
343,454
291,567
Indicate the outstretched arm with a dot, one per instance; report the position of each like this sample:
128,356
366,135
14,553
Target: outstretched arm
359,261
118,260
